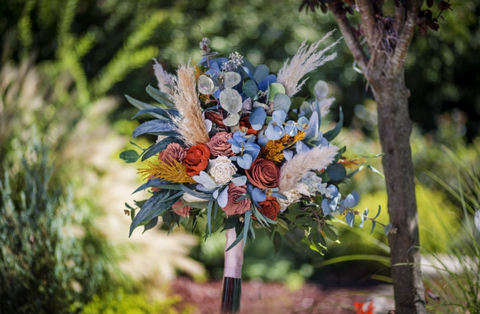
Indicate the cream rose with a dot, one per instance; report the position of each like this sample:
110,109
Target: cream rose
222,170
293,196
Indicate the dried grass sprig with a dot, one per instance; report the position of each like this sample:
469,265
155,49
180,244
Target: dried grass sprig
174,172
192,125
294,169
165,80
305,60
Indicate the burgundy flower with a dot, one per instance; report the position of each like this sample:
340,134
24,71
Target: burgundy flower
215,118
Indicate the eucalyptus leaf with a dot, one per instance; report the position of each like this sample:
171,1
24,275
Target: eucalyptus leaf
129,156
281,102
250,89
231,79
261,72
232,119
275,88
336,172
205,85
231,100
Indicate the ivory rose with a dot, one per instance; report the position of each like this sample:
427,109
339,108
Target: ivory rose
219,146
293,196
235,206
222,170
263,173
196,159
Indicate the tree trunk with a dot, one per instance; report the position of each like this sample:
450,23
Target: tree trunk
395,127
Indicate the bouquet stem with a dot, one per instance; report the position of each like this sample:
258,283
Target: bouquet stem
232,276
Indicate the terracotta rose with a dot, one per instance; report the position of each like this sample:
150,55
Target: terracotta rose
196,159
181,209
245,123
263,173
219,146
235,207
269,207
173,151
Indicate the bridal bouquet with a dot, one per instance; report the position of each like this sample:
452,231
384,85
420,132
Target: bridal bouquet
237,148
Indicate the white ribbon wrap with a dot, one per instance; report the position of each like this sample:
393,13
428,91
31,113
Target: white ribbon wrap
233,257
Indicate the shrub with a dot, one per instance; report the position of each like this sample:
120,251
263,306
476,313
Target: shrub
49,262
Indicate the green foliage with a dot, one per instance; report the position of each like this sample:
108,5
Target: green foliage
457,278
49,262
119,302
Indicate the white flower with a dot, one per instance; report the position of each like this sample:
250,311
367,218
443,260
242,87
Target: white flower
293,196
222,170
192,199
314,183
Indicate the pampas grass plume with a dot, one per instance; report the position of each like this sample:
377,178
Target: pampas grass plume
294,169
305,60
165,80
192,126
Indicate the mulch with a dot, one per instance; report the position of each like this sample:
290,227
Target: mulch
269,297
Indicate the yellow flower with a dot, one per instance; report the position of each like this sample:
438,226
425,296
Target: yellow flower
275,151
174,172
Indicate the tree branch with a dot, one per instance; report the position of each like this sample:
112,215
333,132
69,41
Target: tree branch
367,14
350,38
399,21
405,37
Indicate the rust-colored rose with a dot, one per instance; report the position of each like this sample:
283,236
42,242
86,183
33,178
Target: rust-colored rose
245,123
234,205
269,207
215,118
181,209
219,146
263,173
173,151
196,159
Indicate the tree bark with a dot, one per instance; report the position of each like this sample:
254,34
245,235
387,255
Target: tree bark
395,127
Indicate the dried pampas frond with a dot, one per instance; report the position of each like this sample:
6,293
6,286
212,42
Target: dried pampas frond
305,60
165,80
191,126
294,169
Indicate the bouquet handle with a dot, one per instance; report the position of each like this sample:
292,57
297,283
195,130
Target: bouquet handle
232,275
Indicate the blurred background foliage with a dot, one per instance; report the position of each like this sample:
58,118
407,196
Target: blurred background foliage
65,66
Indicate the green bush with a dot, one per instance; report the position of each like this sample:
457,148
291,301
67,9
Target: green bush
121,303
50,260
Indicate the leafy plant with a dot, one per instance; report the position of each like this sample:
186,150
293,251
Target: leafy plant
119,302
49,262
